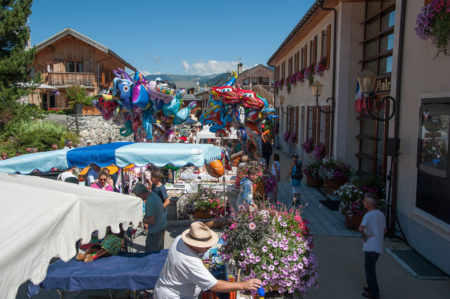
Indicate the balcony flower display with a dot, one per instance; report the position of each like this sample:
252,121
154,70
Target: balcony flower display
275,246
308,146
319,151
300,76
309,74
293,137
321,66
434,23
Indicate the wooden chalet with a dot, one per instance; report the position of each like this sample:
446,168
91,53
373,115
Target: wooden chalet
70,58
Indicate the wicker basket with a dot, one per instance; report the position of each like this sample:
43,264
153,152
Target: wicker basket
216,223
312,182
329,186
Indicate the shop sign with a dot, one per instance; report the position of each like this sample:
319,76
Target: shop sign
383,85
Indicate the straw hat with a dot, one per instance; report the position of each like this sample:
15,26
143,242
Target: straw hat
199,235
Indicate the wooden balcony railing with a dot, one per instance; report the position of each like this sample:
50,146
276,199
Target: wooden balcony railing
66,79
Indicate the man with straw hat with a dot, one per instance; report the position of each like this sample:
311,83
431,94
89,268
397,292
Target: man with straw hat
185,276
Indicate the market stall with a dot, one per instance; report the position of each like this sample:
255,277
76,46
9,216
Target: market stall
44,218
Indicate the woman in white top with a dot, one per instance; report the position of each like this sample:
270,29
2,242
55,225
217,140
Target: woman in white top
276,173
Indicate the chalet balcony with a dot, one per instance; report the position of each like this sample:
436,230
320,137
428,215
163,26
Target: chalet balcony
86,80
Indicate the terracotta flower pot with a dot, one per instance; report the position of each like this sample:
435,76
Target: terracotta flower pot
313,182
329,186
353,221
199,214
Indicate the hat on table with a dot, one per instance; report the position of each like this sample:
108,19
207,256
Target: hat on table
199,235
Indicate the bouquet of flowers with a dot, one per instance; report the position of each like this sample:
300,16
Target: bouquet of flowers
308,146
321,66
319,151
312,170
275,246
352,193
434,23
332,169
205,200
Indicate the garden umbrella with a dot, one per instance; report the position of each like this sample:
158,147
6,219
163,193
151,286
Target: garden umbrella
120,154
43,218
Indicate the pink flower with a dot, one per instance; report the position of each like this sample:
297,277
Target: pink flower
233,226
252,226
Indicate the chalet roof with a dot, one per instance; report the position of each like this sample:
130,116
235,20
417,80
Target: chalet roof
297,28
93,43
190,97
257,66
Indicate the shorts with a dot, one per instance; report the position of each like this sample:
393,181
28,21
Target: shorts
295,189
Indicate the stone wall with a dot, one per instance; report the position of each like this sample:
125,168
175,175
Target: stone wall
90,127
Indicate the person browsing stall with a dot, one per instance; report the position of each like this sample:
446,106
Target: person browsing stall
159,188
154,217
102,182
245,197
185,276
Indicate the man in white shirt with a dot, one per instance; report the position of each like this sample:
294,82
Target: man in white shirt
372,229
67,174
184,276
92,174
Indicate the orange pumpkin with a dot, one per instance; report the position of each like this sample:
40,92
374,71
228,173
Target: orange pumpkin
215,169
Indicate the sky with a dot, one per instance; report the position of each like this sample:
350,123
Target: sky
194,37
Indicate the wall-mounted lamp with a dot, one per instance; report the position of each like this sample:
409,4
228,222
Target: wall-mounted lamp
317,91
367,80
282,99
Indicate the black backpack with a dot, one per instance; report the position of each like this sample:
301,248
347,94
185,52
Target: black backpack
298,175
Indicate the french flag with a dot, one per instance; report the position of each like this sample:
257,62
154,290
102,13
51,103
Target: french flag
360,104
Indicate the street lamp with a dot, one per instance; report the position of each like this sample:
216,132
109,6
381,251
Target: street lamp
317,91
281,99
367,80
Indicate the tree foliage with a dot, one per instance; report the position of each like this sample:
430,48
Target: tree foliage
15,62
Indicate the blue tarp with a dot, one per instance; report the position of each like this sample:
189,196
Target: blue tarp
130,272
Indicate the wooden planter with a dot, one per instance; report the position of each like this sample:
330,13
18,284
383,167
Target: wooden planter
216,223
312,182
201,214
329,186
353,221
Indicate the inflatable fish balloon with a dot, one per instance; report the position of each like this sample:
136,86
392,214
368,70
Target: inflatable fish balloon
127,129
141,97
227,94
173,106
183,114
122,89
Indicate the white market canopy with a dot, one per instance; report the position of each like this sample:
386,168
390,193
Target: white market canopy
42,218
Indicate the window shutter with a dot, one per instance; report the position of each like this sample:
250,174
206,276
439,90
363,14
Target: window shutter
297,110
314,125
315,50
329,46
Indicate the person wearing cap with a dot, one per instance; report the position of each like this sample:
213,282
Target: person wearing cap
154,217
88,142
4,156
372,229
185,276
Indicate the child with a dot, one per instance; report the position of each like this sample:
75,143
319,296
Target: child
296,179
245,197
159,188
111,245
276,174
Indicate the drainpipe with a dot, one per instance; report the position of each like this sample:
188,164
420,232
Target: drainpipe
393,214
333,88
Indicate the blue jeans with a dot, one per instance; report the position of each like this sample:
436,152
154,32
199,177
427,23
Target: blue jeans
371,258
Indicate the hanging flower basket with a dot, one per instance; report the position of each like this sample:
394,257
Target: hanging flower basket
321,66
300,76
434,23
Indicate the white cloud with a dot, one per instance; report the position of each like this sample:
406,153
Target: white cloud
145,73
209,68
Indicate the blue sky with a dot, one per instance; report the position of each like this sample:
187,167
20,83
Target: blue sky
176,37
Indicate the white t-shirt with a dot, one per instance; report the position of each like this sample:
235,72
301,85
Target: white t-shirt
64,175
92,176
274,169
183,276
374,223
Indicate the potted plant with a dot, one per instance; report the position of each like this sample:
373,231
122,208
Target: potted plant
274,246
300,76
203,204
321,66
308,146
334,174
78,97
312,174
434,23
351,196
319,151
